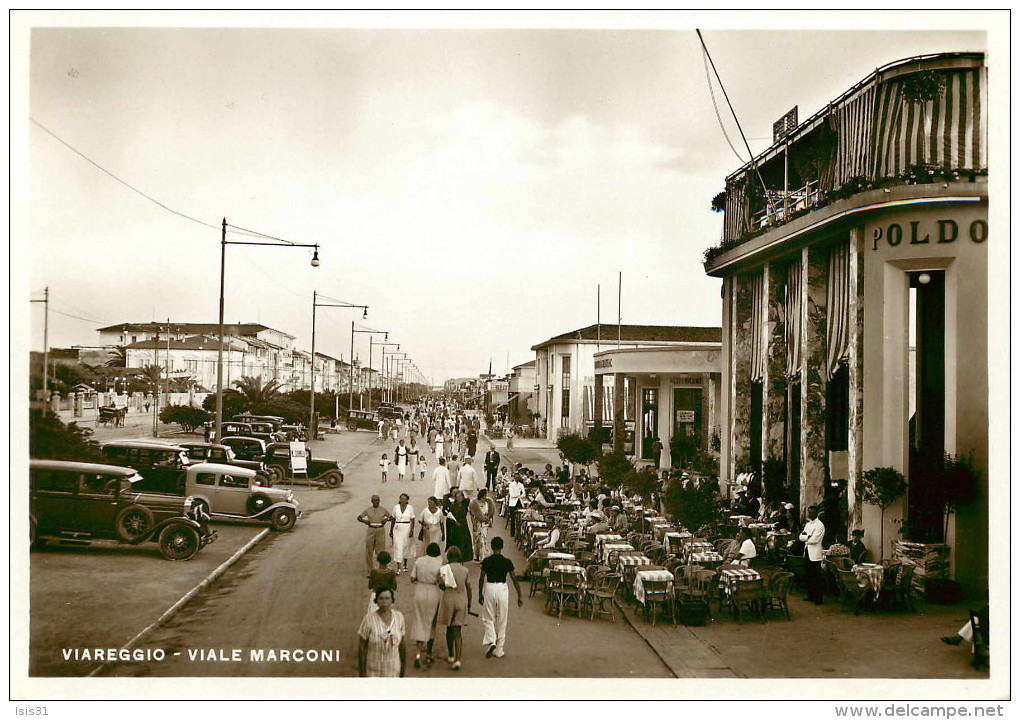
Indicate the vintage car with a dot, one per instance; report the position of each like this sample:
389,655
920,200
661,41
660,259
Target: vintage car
199,452
275,420
235,492
233,429
280,469
266,431
246,448
361,420
161,465
82,502
389,412
293,432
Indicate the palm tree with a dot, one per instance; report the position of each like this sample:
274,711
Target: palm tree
255,393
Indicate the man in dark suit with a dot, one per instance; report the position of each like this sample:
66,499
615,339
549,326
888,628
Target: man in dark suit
491,467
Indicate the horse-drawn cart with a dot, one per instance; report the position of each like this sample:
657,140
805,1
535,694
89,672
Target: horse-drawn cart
112,414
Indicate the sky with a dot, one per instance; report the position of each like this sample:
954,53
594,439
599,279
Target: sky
473,187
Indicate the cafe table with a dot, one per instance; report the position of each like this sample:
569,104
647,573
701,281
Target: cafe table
730,575
706,557
656,574
541,559
602,538
610,547
693,547
672,540
869,577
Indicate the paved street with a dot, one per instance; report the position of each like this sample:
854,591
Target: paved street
307,589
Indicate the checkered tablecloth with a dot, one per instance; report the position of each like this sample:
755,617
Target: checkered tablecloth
696,558
626,560
672,541
695,547
534,524
602,538
611,547
870,577
643,576
538,537
730,576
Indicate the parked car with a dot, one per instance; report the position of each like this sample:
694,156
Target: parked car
234,429
83,502
266,431
361,420
246,448
161,465
200,452
235,492
293,432
278,465
276,420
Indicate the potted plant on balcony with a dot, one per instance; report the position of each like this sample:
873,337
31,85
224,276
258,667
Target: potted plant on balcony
882,486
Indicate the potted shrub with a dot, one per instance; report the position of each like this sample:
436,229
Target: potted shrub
882,486
955,482
692,507
576,448
612,467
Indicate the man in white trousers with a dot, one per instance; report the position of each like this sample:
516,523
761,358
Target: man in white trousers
494,597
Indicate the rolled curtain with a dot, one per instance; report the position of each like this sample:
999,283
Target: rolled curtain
837,311
758,327
793,329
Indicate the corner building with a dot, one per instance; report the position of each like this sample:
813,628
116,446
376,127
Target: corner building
855,313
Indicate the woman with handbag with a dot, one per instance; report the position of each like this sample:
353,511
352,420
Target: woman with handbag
425,576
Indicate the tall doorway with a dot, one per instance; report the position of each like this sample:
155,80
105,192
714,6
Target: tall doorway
688,428
649,421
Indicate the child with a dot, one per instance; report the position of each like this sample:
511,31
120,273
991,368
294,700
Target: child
422,465
382,578
385,465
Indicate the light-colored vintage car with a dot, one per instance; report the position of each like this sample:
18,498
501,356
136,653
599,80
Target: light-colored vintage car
236,492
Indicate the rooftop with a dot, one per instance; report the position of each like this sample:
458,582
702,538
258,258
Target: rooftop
192,328
637,333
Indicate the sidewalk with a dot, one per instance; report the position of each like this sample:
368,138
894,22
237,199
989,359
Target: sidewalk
819,642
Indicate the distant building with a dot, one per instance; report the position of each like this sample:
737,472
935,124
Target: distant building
871,236
522,391
566,377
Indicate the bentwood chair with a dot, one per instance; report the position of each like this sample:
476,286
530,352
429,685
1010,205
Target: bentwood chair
565,587
850,591
658,598
775,597
749,594
600,595
904,596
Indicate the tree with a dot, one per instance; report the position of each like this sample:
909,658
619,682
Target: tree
233,403
641,482
576,448
49,438
186,416
255,393
613,466
692,507
882,486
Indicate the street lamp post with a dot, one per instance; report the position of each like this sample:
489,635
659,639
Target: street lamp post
387,395
382,367
370,333
223,273
394,359
402,365
340,304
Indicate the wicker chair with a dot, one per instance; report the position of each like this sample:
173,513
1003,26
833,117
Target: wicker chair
904,594
601,594
775,596
563,588
850,592
749,594
658,598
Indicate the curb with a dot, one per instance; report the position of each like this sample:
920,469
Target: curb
176,607
623,613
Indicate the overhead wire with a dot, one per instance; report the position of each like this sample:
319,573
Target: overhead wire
715,106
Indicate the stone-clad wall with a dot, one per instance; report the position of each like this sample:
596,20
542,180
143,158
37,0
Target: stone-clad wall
741,441
775,402
813,471
857,422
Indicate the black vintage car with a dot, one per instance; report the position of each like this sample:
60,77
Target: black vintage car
247,448
280,468
82,502
200,452
161,465
362,420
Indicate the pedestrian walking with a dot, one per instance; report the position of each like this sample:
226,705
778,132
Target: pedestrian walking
494,597
382,425
402,531
383,577
412,458
514,501
482,511
491,464
455,604
458,532
375,518
433,527
453,465
423,466
381,650
400,454
441,480
438,450
509,438
432,438
384,466
425,577
467,478
472,442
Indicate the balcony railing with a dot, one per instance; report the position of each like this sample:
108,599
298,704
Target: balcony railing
778,208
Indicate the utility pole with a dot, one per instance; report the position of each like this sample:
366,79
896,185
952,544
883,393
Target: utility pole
155,399
46,345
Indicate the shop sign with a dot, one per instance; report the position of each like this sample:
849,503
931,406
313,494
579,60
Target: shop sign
604,363
945,232
685,416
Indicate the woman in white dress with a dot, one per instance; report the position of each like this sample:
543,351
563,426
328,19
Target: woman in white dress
401,455
439,445
401,529
432,527
412,458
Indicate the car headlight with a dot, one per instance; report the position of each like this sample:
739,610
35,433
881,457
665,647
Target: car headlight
290,497
338,465
187,504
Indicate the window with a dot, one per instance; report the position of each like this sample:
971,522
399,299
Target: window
565,386
205,479
92,484
234,482
55,480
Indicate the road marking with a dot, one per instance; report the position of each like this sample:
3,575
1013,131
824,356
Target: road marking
175,608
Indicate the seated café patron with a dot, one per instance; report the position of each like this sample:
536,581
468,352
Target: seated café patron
858,552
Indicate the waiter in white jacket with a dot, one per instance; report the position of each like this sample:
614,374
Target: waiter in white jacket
812,536
514,500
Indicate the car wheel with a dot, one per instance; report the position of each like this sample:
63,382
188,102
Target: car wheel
276,474
283,519
257,503
352,425
178,542
333,479
133,522
199,508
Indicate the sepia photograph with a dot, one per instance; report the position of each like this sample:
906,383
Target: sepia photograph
540,355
